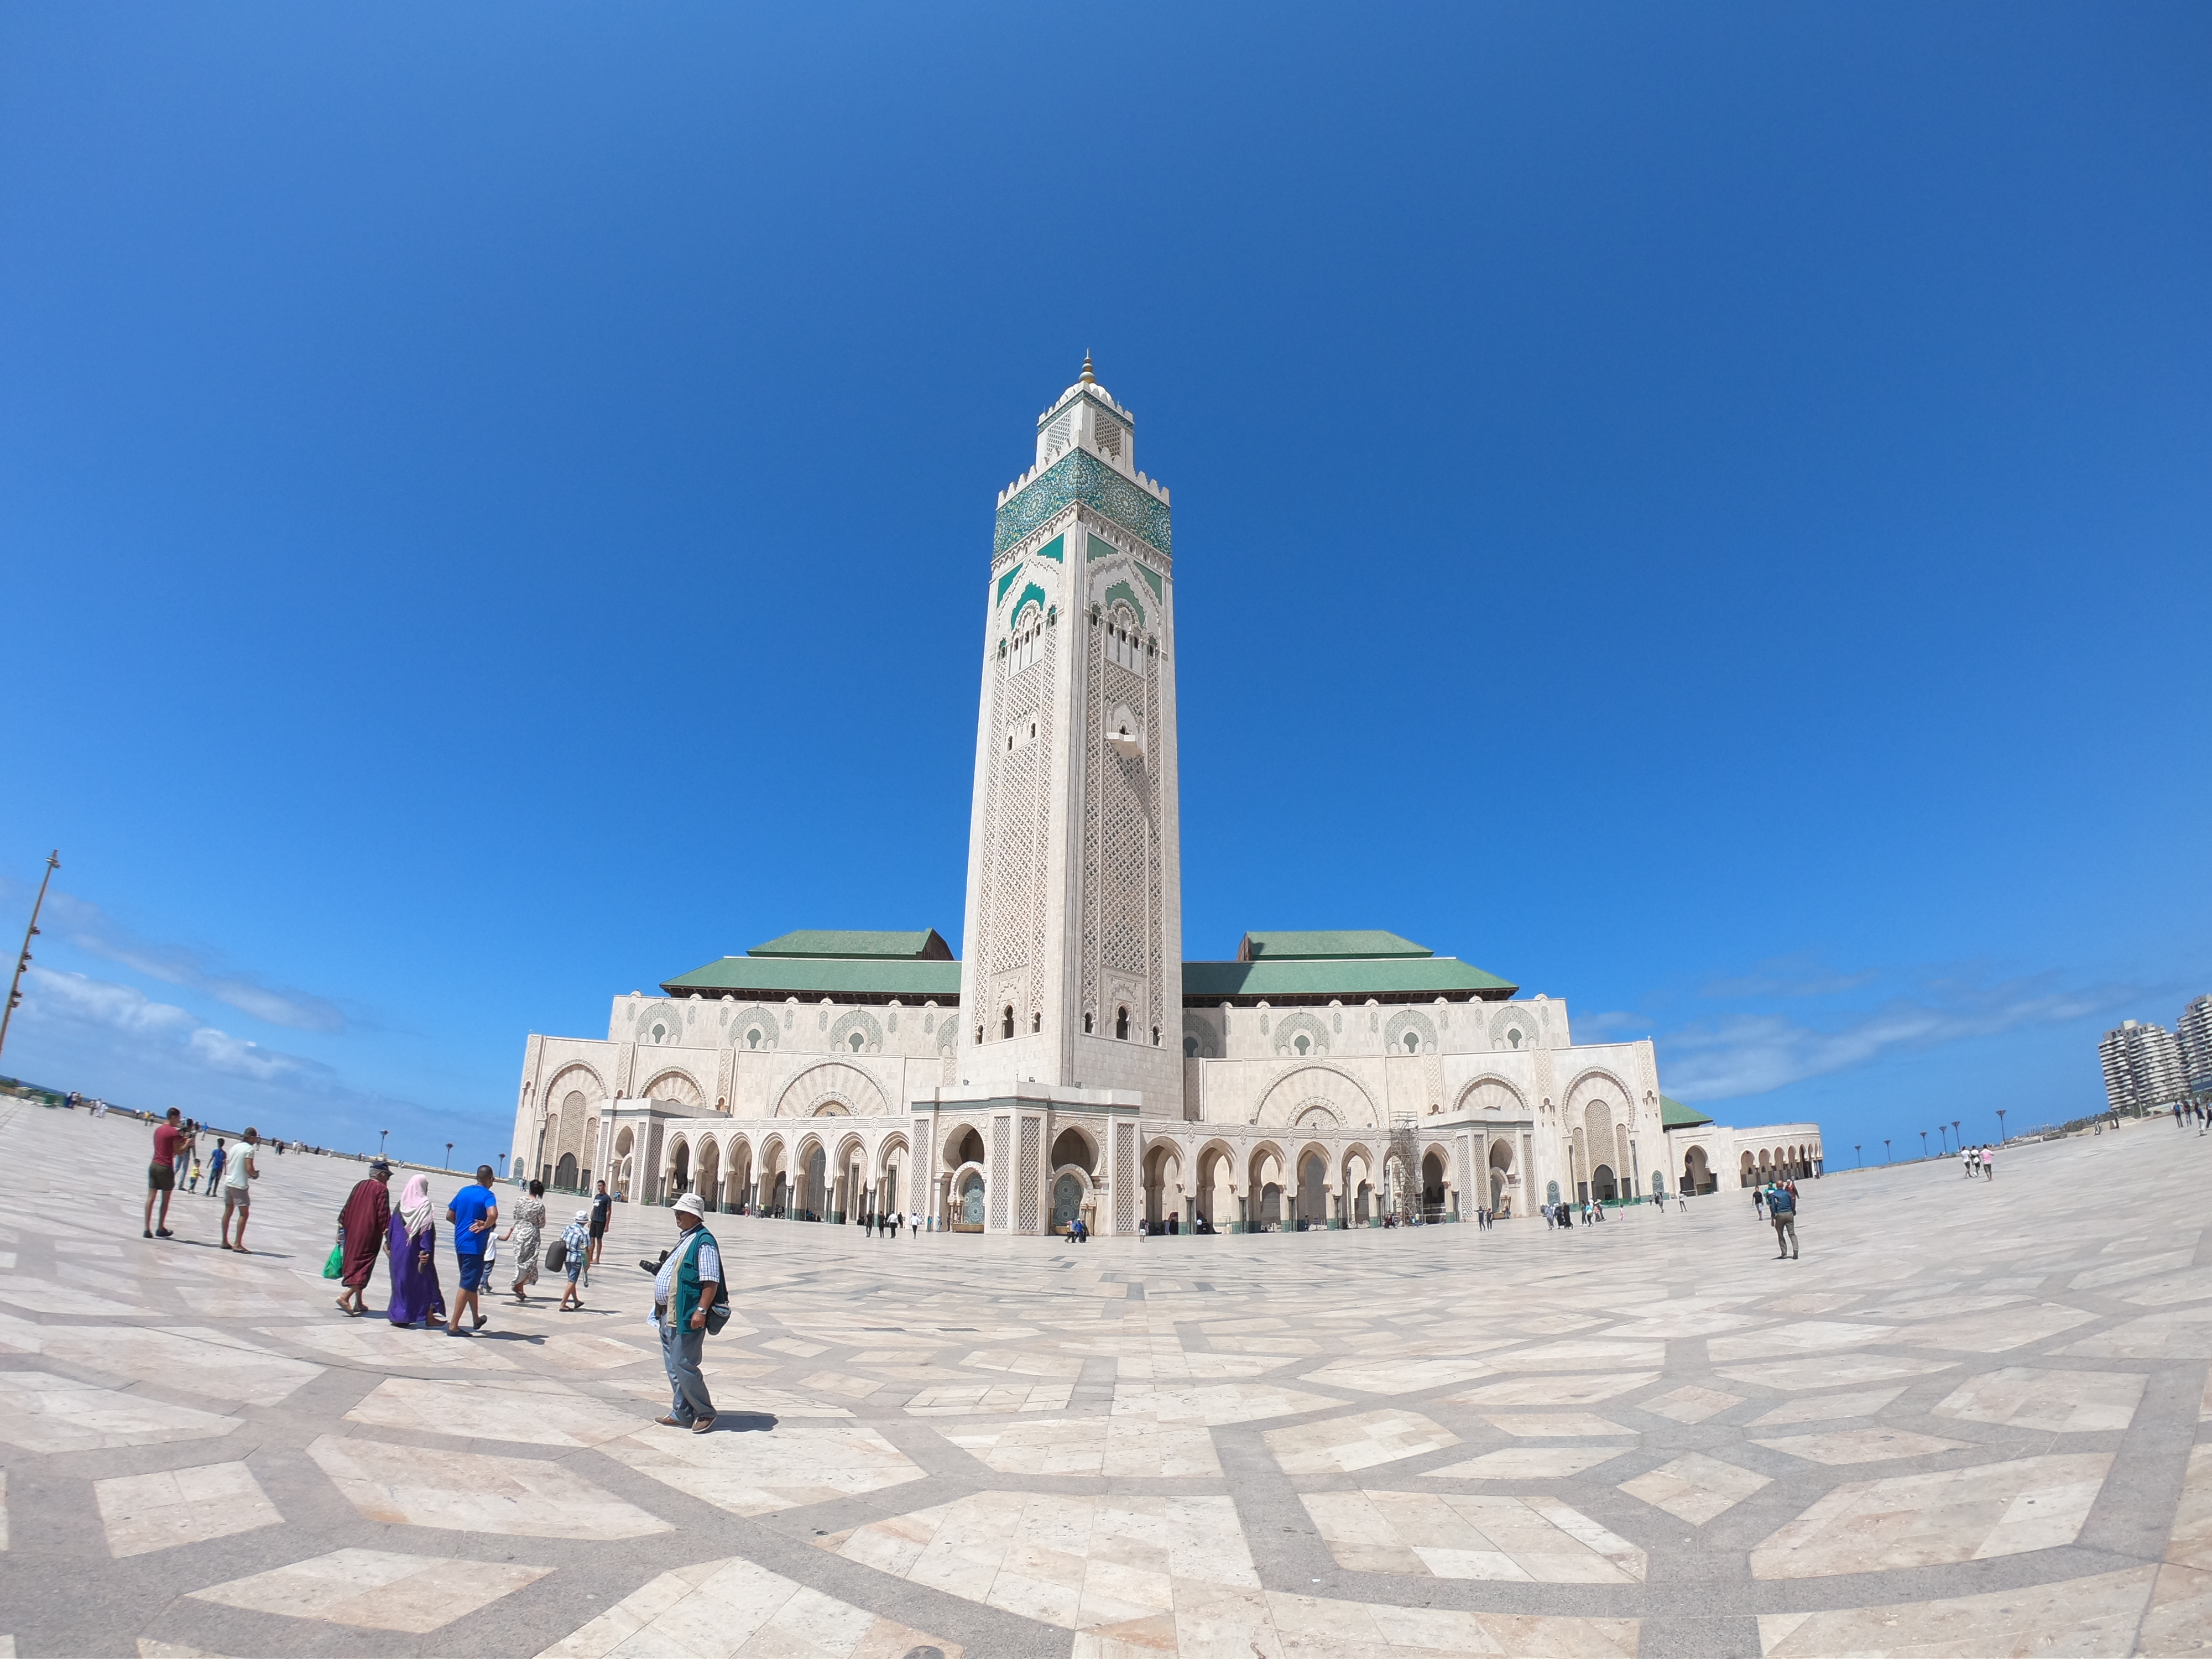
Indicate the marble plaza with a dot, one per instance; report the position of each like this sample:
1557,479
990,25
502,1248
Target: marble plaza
1970,1420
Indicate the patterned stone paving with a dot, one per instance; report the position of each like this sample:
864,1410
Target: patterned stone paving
1967,1423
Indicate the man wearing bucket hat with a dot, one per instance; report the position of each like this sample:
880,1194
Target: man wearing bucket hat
688,1297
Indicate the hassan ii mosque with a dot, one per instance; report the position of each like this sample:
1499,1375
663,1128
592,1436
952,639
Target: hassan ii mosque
1074,1063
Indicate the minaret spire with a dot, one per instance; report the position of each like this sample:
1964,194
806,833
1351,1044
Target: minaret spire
1088,378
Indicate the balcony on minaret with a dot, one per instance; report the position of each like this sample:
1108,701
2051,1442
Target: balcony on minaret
1087,418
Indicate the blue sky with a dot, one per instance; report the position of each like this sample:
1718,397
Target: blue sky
1701,511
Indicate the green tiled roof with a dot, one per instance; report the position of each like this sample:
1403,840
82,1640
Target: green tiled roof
924,946
1348,978
909,978
1336,947
1672,1115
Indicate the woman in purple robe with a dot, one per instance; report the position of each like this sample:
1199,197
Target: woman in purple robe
415,1292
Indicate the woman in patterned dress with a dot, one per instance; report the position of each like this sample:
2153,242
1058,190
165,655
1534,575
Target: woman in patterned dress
529,1223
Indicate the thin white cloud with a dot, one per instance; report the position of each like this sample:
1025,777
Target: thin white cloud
92,930
1752,1053
130,1013
1791,976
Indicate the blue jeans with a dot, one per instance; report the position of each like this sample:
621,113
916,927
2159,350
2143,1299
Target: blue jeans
680,1352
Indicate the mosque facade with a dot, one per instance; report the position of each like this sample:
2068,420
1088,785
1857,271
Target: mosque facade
1073,1063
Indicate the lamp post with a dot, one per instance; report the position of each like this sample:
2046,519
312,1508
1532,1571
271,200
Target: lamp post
2001,1112
449,1154
1857,1161
1885,1149
380,1134
1954,1131
23,958
1924,1145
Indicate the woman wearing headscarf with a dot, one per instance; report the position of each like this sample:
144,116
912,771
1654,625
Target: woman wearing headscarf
577,1236
363,1226
415,1291
529,1227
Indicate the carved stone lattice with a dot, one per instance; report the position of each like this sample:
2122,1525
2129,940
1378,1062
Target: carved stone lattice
1405,1154
1125,1178
1001,1168
1031,1175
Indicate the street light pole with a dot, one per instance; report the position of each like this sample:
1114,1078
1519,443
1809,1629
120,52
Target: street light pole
1924,1143
1884,1150
1954,1129
2001,1112
23,959
449,1154
380,1134
1857,1161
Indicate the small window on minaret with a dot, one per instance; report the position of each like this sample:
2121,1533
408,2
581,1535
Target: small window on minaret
1006,1021
1121,1023
1086,1022
1036,1022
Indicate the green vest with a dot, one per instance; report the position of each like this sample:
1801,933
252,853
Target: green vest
684,1301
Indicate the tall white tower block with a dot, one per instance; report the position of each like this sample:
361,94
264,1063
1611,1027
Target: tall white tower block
1072,954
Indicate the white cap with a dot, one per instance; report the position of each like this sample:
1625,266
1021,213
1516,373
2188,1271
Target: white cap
690,1204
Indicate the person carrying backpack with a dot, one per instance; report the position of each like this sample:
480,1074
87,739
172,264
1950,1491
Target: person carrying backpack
1782,1210
689,1300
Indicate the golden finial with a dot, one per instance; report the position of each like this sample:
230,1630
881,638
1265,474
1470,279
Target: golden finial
1087,377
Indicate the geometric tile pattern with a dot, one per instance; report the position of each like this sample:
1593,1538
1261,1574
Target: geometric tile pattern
1966,1421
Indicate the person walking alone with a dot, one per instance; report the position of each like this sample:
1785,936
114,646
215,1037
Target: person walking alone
364,1226
216,1161
603,1210
238,1178
416,1292
161,1173
688,1285
1782,1210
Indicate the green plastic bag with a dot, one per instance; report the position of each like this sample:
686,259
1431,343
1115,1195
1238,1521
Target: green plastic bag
332,1268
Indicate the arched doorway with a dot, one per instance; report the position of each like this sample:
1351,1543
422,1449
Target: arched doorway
566,1174
1432,1186
1501,1165
1067,1201
970,1210
817,1172
679,1171
1603,1186
1313,1191
710,1174
1697,1172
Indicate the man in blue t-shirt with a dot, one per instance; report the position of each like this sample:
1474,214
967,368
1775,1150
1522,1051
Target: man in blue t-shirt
474,1212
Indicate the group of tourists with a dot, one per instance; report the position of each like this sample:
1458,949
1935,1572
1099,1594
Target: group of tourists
230,1170
368,1227
885,1225
690,1298
1979,1161
2192,1110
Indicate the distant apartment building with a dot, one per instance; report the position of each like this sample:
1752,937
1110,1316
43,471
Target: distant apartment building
2142,1066
2193,1036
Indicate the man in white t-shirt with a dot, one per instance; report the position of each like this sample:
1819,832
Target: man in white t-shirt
238,1175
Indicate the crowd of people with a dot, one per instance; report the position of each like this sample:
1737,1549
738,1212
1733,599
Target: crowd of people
370,1229
689,1299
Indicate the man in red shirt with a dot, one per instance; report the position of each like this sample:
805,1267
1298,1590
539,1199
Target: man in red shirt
171,1142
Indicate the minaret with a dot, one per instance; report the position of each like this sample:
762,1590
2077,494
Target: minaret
1073,951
